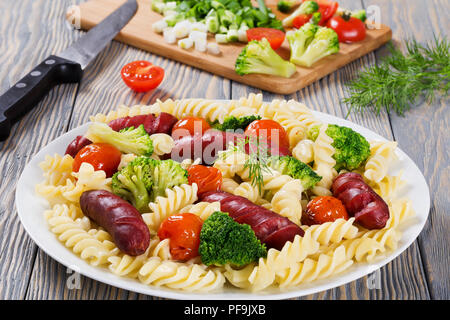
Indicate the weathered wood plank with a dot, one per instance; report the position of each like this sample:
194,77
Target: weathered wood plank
423,134
30,31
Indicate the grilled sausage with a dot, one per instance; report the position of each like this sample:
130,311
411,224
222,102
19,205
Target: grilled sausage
207,146
76,145
361,201
270,228
163,123
122,221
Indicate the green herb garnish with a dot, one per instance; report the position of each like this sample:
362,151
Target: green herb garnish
401,79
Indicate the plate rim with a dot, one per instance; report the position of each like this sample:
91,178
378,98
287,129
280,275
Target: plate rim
127,283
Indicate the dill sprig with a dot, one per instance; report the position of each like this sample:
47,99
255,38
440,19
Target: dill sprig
400,80
257,161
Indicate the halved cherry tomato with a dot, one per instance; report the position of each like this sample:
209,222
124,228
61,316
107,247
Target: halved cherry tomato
206,178
268,131
193,125
102,156
274,36
142,76
300,20
183,230
327,9
324,209
348,29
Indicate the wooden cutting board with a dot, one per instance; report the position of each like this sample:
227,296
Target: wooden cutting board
138,33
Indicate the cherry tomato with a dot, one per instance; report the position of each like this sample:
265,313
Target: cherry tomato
348,29
102,156
268,131
327,9
324,209
183,230
142,76
193,125
300,20
206,178
274,36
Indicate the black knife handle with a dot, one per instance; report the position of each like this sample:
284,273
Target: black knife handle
26,93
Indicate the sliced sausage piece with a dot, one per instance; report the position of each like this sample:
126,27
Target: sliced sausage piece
163,123
119,218
269,227
361,201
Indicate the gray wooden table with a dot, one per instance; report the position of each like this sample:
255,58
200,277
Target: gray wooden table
30,30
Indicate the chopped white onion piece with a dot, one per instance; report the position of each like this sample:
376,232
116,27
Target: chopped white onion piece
242,35
185,43
199,26
172,5
159,26
169,35
194,35
213,48
221,38
182,29
200,45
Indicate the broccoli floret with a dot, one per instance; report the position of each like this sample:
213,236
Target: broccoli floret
358,14
285,5
144,179
234,123
325,42
307,7
129,140
300,39
351,148
259,57
296,169
167,174
134,182
225,241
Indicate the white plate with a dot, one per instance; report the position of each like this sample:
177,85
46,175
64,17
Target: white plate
30,208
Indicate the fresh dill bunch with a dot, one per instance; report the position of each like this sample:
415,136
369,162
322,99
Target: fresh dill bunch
401,79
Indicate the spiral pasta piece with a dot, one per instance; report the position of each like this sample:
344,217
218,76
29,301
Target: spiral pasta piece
381,156
175,275
163,207
333,232
313,269
208,109
287,201
295,129
259,276
231,163
400,210
202,209
124,111
229,185
57,169
304,151
389,186
87,179
253,100
162,143
125,265
324,162
94,246
247,190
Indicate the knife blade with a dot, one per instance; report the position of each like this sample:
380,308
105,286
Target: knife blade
65,67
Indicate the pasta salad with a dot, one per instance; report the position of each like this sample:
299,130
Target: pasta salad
199,194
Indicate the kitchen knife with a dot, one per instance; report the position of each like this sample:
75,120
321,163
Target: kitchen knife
65,67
